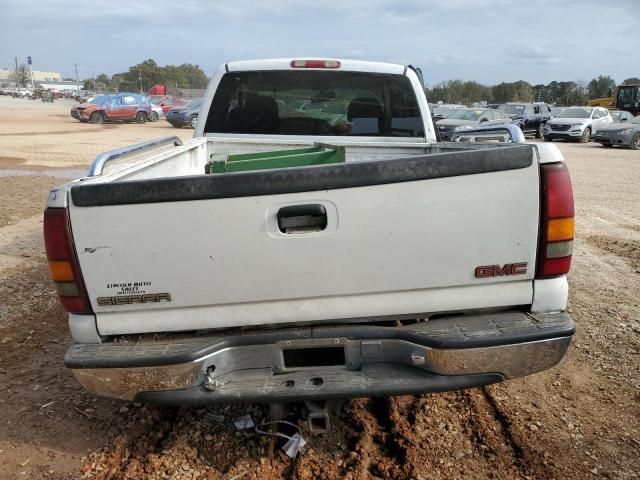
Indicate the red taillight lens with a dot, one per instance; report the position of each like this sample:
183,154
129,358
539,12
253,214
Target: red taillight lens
63,263
315,64
556,188
556,221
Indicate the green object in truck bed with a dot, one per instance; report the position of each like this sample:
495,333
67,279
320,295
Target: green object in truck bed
299,157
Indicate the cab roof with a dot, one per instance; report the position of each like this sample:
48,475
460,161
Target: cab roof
345,65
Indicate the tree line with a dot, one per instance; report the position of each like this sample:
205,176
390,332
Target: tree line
139,77
561,93
144,75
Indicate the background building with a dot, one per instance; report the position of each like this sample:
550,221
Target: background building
38,76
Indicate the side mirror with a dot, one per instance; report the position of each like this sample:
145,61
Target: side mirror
484,120
623,119
507,133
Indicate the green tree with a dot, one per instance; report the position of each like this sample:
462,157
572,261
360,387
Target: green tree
128,87
147,73
458,91
566,93
103,78
540,93
523,91
519,91
560,92
88,84
601,86
115,82
102,82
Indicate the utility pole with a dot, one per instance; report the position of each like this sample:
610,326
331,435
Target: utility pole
140,78
33,87
17,78
77,81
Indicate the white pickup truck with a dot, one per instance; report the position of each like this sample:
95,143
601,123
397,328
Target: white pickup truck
313,241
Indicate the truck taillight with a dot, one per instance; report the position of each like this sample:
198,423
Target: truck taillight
556,221
315,64
63,263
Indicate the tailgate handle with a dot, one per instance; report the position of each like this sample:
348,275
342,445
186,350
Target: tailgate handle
297,219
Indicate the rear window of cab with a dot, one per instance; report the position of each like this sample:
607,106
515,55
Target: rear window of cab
314,103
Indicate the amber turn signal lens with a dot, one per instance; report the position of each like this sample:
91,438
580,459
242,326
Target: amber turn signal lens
61,271
560,229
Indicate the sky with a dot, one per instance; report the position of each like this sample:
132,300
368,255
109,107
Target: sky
489,41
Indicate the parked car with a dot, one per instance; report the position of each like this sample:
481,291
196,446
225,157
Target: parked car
82,112
441,112
169,103
624,134
530,117
621,117
240,270
186,115
577,123
467,118
156,112
119,107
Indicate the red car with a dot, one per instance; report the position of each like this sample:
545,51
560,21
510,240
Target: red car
170,103
126,107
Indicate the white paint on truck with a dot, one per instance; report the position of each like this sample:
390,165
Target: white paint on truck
413,244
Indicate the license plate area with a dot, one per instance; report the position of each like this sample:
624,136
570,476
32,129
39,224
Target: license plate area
329,356
292,355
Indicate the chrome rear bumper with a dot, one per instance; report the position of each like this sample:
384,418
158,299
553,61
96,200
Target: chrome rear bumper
327,362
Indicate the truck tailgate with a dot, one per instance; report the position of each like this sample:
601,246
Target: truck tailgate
402,237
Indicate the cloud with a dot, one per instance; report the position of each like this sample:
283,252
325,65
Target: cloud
485,40
537,55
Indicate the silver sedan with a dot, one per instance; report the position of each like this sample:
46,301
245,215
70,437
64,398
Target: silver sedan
621,117
625,134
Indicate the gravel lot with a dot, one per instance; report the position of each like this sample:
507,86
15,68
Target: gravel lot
579,420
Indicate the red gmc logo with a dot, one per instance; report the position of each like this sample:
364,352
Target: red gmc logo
486,271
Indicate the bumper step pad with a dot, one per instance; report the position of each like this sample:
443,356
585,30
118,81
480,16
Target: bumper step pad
445,333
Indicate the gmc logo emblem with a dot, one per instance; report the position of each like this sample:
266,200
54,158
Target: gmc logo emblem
486,271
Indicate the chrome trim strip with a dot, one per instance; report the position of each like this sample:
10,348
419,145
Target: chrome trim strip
98,164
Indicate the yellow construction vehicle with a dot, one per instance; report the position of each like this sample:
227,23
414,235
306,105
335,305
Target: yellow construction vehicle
605,102
623,97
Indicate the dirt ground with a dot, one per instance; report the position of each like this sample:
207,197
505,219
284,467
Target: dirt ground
579,420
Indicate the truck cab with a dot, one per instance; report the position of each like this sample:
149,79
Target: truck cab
628,98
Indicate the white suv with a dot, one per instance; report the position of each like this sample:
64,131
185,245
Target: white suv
577,123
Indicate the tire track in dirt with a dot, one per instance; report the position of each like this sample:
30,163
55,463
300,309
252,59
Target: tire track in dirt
527,458
145,439
433,436
438,436
375,452
497,442
627,249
